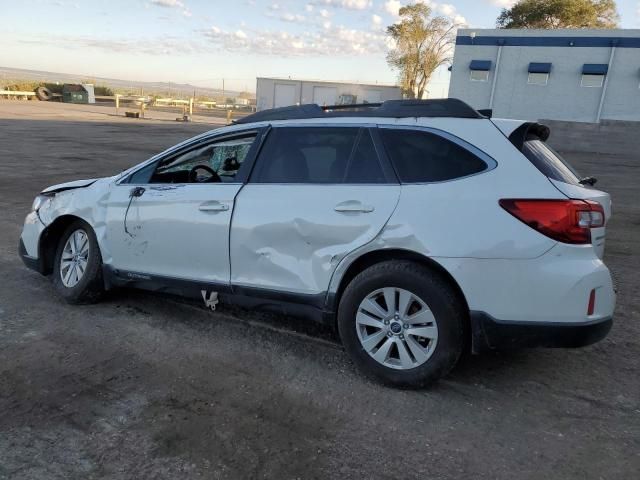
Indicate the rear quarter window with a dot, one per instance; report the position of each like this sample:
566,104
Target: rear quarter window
423,157
549,162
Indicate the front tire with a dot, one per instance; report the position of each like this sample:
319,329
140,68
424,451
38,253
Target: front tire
77,269
402,323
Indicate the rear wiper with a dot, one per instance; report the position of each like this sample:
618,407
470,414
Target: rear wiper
591,181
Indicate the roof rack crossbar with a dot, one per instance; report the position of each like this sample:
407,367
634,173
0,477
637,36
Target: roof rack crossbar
446,107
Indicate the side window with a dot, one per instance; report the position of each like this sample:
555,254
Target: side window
219,161
420,156
364,166
143,175
318,155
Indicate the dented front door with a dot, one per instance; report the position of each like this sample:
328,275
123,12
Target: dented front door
176,231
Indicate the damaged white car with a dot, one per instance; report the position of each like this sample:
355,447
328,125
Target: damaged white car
417,228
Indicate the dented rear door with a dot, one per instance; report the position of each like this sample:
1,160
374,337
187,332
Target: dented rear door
315,195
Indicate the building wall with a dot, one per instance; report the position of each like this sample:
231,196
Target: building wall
609,137
302,92
562,98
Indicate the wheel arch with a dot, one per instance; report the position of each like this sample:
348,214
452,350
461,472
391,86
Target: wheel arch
50,237
369,259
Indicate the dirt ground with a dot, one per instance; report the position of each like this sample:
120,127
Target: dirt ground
142,386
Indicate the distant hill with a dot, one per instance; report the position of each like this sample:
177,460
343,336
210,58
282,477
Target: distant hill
149,88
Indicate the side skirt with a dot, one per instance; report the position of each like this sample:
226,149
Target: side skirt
309,307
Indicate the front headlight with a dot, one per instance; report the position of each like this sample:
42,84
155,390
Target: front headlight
39,201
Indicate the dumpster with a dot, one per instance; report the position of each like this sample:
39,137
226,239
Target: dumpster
72,93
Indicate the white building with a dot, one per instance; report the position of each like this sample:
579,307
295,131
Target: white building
280,92
575,75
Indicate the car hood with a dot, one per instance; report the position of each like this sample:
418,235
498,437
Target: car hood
69,185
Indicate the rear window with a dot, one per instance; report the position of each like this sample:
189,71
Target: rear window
549,162
422,157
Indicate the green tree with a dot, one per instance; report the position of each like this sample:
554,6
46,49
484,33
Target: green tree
550,14
421,44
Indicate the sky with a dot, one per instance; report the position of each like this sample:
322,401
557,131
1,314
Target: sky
203,42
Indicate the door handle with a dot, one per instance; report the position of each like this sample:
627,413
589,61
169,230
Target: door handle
213,206
353,206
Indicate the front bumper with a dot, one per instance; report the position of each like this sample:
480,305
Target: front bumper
32,262
489,333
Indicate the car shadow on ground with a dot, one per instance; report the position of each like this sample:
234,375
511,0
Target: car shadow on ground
491,364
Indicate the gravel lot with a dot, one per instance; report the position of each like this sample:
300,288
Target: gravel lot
144,386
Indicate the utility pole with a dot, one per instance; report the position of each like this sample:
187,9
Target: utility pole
224,98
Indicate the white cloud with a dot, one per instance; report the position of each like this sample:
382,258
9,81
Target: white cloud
240,34
172,4
290,17
392,7
446,9
503,3
348,4
460,20
328,41
163,45
168,3
376,19
324,13
309,7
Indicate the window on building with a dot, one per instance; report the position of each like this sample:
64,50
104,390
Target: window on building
539,73
479,76
421,157
591,80
593,74
480,70
538,78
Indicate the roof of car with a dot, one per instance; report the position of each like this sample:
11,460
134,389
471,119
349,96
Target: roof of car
446,107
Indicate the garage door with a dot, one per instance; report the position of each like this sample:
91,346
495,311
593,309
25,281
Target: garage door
285,95
325,95
372,96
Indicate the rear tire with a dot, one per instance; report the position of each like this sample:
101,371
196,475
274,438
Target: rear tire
77,269
410,348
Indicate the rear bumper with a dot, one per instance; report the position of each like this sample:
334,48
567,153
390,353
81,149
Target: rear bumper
489,333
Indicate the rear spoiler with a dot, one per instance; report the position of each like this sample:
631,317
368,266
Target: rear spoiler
529,130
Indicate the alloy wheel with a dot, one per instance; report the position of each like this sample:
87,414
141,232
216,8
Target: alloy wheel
396,328
75,257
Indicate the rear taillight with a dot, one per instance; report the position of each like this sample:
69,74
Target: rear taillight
568,221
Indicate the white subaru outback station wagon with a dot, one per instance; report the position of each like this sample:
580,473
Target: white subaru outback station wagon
418,228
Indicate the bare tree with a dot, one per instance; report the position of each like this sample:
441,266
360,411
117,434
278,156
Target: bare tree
422,43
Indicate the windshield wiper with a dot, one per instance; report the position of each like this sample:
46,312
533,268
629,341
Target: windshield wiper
591,181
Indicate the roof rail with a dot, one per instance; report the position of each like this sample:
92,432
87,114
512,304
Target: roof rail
446,107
